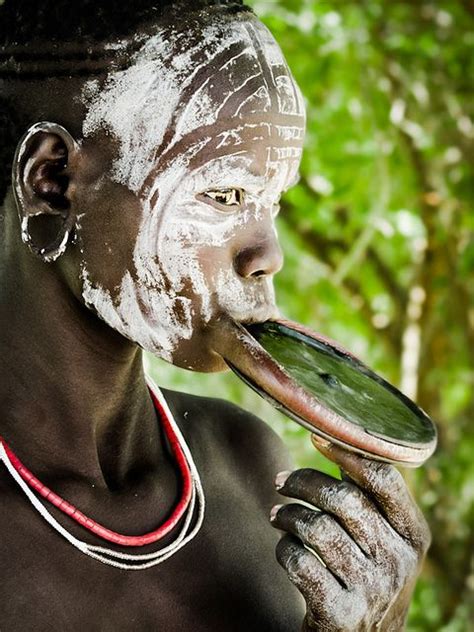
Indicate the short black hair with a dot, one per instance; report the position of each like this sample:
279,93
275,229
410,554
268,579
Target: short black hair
22,21
27,24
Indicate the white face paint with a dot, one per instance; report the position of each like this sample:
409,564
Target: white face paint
210,111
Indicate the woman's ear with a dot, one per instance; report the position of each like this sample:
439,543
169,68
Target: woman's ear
42,177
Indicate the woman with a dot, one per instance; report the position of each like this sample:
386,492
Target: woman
149,145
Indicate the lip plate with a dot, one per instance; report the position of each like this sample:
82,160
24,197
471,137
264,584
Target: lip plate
264,375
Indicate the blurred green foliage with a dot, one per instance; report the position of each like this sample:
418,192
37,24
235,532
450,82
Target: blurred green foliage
379,242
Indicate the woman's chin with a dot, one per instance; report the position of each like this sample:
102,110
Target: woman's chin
199,359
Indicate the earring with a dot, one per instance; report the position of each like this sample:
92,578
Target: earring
53,250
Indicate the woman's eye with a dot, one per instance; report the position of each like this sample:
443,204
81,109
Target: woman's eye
225,197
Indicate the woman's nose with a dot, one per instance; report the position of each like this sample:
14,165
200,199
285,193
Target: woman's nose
263,257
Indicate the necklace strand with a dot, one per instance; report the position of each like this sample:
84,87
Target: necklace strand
109,556
99,530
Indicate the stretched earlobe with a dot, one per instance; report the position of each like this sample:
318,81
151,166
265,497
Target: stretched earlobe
41,177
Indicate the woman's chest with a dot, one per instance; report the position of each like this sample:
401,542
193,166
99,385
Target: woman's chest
226,579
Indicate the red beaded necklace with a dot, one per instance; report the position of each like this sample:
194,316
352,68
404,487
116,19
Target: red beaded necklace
96,528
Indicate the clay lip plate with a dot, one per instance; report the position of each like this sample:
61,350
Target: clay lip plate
262,372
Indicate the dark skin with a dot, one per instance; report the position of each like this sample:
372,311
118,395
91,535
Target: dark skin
75,408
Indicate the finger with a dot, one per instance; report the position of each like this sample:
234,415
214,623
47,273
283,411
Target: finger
386,486
343,500
315,582
321,533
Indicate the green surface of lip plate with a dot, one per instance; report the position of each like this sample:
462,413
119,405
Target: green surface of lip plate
346,386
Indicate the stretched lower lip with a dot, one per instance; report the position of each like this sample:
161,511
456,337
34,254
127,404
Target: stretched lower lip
258,369
234,342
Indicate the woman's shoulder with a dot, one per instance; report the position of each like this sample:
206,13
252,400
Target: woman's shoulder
228,427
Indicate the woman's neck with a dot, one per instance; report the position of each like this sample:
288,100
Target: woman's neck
73,396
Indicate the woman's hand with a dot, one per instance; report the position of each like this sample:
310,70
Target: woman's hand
368,537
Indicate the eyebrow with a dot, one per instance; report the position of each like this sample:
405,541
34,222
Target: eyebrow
233,176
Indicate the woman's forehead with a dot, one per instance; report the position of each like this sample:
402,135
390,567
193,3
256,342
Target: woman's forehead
245,170
184,95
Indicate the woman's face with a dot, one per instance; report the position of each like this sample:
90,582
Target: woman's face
210,137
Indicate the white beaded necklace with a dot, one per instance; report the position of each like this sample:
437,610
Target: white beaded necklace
127,561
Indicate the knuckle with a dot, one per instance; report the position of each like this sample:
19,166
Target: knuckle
353,609
398,567
330,494
318,526
418,533
315,529
350,494
384,477
322,522
345,500
308,524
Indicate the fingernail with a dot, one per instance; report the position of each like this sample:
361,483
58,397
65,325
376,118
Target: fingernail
281,478
274,512
319,442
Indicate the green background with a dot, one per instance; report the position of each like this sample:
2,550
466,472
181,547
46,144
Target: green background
379,242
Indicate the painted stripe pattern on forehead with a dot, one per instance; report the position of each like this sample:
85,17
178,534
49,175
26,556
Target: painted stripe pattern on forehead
185,91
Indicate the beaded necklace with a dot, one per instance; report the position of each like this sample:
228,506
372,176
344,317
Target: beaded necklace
192,495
